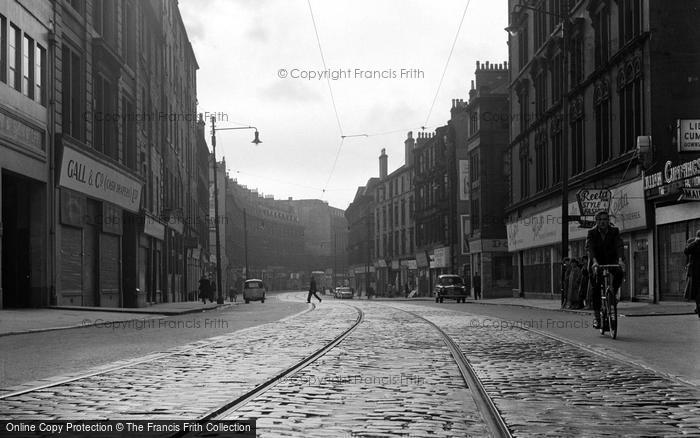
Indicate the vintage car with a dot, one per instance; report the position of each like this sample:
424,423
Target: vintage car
343,292
254,290
450,286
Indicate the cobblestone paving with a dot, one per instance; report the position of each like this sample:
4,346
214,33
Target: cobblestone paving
544,387
392,377
189,383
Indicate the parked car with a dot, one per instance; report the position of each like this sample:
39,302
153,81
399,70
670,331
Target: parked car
450,286
343,292
254,290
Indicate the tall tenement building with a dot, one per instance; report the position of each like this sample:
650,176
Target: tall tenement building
101,187
591,77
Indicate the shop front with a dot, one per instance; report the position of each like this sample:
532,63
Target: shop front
490,259
674,195
535,244
97,231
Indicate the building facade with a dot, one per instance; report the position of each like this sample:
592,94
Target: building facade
613,73
480,129
361,238
105,99
26,152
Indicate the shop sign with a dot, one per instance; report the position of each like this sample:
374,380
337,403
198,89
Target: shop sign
381,263
441,257
86,175
153,228
466,230
394,264
627,212
688,135
412,265
690,194
591,201
672,174
464,180
422,259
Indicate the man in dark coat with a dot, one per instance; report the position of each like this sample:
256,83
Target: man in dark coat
312,290
692,250
605,247
204,288
477,286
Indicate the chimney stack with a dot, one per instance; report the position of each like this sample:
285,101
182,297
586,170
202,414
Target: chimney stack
383,161
409,145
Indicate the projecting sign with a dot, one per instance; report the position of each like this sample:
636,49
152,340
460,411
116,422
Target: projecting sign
689,136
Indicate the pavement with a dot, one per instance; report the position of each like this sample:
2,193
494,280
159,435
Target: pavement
16,321
624,308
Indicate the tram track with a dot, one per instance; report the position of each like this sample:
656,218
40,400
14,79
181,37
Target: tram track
485,404
232,406
134,362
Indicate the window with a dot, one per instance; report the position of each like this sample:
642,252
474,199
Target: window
602,123
524,108
557,70
540,93
556,150
475,216
601,26
524,170
540,27
578,150
473,122
28,67
104,126
541,160
129,33
523,50
629,20
630,88
14,78
40,75
103,19
71,93
3,48
577,66
78,5
129,133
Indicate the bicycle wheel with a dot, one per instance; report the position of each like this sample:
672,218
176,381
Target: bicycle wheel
603,315
612,314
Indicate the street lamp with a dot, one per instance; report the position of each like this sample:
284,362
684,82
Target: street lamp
513,30
256,141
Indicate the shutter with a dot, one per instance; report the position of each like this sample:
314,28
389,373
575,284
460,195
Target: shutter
71,267
109,270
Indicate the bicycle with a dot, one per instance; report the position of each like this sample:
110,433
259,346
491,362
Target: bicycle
608,303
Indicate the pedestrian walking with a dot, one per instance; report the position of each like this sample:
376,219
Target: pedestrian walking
574,284
477,286
583,289
212,290
203,288
406,290
565,271
692,287
312,290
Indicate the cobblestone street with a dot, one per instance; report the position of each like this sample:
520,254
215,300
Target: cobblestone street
392,376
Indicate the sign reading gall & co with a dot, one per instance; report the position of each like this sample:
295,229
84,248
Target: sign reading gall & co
86,175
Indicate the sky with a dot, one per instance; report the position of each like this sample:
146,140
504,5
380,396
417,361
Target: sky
261,64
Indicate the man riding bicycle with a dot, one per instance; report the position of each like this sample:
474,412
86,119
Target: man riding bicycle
604,247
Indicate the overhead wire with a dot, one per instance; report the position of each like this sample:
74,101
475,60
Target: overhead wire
447,63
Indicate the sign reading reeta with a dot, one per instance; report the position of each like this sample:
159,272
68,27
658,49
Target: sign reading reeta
591,201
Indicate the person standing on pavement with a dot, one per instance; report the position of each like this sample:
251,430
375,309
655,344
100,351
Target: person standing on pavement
574,284
212,290
312,290
203,288
565,271
605,247
583,289
692,250
477,286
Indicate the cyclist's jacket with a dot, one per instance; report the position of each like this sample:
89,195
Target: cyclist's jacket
606,251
